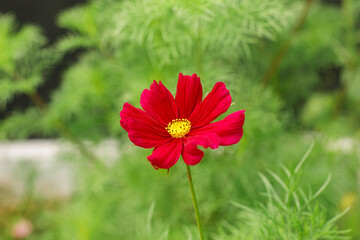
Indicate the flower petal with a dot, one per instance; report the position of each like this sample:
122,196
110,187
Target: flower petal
188,94
191,154
166,155
159,103
213,105
143,130
229,130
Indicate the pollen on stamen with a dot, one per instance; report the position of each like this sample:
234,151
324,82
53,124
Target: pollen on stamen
178,128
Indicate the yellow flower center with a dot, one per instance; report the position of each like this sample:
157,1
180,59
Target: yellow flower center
178,128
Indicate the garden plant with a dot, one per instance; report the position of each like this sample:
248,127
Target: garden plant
268,139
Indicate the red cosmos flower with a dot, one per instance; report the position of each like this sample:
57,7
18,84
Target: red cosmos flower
176,126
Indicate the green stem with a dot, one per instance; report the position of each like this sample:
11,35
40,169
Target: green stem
197,214
275,63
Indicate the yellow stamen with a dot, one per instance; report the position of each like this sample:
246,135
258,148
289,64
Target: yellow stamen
178,128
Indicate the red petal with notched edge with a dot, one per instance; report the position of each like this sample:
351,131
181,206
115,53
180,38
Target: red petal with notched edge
213,105
166,155
229,130
143,130
159,103
191,154
131,112
188,94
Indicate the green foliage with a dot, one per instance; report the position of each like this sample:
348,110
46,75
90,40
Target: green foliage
86,100
23,59
124,45
318,109
132,42
130,200
32,123
318,48
289,212
169,30
91,25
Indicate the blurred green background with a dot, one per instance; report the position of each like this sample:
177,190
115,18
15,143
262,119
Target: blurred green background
294,66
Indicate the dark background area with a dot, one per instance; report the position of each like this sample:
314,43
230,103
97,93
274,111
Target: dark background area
40,12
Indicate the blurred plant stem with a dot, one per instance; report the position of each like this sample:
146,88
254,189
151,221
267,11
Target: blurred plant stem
63,130
275,63
350,56
197,214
